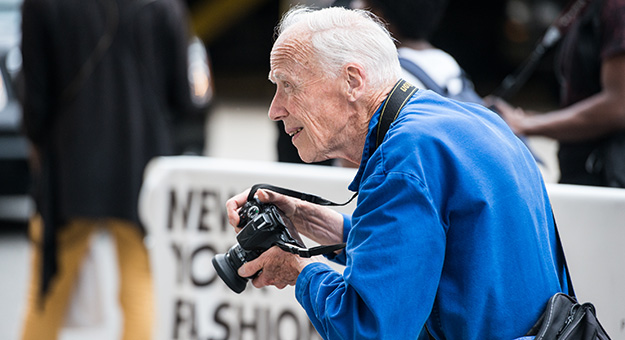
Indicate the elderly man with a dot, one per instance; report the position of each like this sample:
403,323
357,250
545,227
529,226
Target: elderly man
452,236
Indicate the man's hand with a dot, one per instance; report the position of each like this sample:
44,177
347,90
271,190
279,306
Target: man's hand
284,203
277,268
319,223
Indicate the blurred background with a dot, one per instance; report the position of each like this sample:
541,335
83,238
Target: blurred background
488,38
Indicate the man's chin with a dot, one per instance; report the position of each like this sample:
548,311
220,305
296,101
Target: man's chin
310,158
310,155
306,160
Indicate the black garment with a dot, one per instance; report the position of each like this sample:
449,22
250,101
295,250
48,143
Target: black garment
103,123
103,81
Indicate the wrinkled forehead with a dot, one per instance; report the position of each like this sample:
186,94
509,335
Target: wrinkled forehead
292,52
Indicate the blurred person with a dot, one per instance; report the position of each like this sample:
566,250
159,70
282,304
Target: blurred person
591,117
412,23
103,81
452,234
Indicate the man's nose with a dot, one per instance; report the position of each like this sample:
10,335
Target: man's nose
277,111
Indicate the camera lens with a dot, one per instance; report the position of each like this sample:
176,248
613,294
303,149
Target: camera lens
227,265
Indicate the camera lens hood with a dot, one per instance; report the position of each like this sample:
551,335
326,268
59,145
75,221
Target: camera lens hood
228,273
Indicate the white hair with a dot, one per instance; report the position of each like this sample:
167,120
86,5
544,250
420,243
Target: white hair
340,36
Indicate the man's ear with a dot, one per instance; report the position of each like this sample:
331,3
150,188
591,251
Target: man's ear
355,81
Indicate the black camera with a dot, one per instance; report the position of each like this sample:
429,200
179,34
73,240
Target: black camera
263,226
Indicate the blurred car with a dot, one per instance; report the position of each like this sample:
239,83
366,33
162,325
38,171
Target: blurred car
15,204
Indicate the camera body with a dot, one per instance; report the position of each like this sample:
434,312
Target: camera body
262,226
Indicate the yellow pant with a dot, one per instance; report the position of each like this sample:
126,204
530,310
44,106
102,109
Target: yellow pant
135,282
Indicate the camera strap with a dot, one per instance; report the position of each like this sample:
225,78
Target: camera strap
297,194
401,92
310,252
303,252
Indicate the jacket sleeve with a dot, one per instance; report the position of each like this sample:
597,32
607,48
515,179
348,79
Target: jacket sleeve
347,226
396,243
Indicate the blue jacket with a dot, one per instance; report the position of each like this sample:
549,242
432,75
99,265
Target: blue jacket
453,229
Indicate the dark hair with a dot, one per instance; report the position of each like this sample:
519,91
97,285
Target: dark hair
412,19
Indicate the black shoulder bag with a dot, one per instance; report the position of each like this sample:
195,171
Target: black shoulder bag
564,317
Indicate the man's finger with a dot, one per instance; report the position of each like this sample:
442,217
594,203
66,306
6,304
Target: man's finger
250,268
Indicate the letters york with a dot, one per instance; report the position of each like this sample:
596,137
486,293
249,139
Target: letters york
199,305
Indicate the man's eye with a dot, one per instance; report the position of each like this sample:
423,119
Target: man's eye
286,84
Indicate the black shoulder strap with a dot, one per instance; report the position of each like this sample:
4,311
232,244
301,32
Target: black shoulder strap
467,94
104,42
566,267
396,100
423,77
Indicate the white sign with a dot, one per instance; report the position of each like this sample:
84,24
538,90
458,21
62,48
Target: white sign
183,207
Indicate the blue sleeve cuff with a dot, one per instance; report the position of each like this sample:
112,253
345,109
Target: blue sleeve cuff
304,278
347,226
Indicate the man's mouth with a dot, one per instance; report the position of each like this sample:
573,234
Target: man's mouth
293,133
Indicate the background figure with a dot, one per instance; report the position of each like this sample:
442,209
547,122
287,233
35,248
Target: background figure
412,24
591,121
103,81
